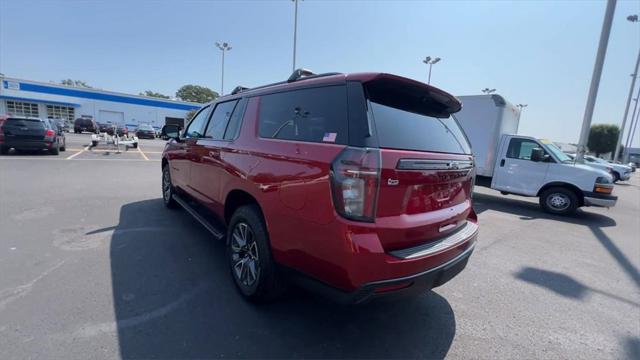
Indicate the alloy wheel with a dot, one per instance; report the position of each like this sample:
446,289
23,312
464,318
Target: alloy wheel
244,255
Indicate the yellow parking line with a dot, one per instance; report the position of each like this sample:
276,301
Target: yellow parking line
76,154
141,153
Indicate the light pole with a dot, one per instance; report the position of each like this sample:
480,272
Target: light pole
617,154
224,47
632,128
489,91
295,32
430,62
521,107
595,80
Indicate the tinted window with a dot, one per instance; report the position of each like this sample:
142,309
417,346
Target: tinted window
236,119
398,128
314,115
195,129
24,123
220,119
521,149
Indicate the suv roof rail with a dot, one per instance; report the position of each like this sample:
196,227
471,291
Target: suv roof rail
300,74
239,89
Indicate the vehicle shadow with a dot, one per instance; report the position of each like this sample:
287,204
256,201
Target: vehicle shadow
529,210
595,222
564,285
174,298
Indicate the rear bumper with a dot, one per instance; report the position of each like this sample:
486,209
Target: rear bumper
396,287
27,144
602,200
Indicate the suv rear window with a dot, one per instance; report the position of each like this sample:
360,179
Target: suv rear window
31,124
407,121
312,115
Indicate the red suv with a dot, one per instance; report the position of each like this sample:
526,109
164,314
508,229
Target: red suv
356,185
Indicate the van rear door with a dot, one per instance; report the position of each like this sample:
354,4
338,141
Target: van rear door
427,169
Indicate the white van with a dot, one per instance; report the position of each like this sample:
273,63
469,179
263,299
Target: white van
523,165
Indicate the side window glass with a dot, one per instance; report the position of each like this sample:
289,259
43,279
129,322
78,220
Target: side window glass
220,119
195,129
521,149
312,115
233,127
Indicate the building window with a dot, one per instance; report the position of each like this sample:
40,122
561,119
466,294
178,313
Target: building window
60,112
18,108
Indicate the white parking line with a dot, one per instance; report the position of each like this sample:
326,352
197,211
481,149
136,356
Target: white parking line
78,153
141,153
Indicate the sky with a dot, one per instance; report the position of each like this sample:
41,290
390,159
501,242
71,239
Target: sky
539,53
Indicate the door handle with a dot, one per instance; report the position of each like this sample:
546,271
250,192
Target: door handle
502,163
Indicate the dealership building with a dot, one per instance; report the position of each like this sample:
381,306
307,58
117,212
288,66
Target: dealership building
31,98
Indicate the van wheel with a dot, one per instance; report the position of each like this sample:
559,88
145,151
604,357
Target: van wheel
559,200
167,189
252,267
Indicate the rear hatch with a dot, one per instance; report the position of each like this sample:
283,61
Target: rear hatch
16,129
426,167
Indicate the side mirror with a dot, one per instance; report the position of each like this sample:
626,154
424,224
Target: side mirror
537,154
171,132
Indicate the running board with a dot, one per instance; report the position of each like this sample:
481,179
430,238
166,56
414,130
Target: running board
213,229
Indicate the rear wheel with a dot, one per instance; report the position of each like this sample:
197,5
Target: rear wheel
167,189
559,200
252,266
64,145
55,150
4,150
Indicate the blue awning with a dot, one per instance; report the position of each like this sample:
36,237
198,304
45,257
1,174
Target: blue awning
39,101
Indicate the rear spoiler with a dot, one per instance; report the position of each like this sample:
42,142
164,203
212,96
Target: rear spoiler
412,95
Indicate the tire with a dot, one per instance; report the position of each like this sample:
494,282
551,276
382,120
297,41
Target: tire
135,145
4,150
167,189
94,143
64,146
559,200
252,267
55,150
616,176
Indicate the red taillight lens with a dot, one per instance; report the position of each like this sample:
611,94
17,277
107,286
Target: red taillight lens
355,177
50,133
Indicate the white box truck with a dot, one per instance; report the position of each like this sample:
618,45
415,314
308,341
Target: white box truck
523,165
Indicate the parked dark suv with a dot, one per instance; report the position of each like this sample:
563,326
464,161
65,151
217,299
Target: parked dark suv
85,124
354,185
27,133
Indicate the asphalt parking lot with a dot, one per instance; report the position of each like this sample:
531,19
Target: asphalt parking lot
93,266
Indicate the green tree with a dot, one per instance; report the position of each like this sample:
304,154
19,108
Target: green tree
196,93
76,83
602,138
154,94
189,115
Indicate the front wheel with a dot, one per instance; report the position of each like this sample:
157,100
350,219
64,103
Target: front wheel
167,189
559,200
252,267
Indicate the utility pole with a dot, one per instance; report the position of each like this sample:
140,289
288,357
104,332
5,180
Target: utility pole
595,80
521,107
617,154
430,62
295,32
224,47
632,129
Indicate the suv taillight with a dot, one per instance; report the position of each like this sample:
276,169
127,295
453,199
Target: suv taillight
355,177
50,133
